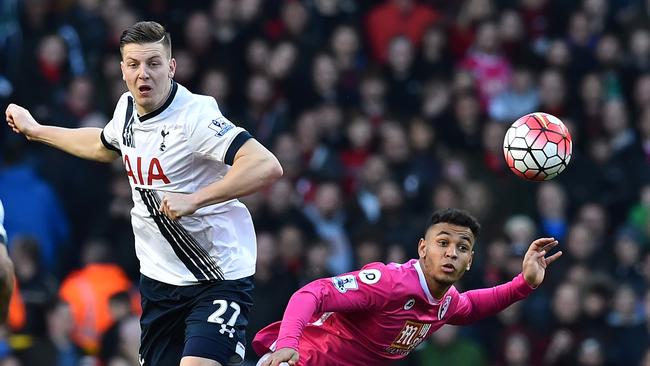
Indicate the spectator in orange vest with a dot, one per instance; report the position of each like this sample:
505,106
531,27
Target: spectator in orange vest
88,291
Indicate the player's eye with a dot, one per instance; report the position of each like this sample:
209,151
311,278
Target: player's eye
153,63
442,243
463,248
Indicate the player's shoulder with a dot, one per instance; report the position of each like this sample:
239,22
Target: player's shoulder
123,101
376,273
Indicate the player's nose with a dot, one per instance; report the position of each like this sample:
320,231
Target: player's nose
451,252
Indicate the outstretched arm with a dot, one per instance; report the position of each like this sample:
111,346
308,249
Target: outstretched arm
82,142
478,304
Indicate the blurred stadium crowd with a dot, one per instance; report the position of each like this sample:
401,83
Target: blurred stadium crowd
380,112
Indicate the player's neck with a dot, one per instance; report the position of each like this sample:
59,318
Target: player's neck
437,290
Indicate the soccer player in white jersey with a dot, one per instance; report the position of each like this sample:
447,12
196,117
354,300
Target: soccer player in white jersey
379,314
187,165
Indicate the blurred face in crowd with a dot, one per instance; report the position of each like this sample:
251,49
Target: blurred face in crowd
400,54
522,80
580,243
608,51
345,41
511,28
445,254
579,29
552,90
487,38
567,304
640,43
615,119
52,51
591,89
147,69
558,54
198,34
215,84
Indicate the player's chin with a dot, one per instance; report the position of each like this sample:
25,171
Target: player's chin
447,278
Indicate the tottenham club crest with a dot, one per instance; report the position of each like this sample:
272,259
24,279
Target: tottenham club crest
442,310
164,134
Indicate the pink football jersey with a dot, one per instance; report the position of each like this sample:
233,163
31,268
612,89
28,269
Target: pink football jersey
376,315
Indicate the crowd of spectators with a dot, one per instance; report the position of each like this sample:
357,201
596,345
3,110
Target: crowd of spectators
380,112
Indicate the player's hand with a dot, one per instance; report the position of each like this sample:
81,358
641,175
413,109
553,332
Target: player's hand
288,355
177,205
535,260
21,121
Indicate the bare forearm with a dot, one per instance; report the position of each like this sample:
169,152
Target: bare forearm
81,142
247,176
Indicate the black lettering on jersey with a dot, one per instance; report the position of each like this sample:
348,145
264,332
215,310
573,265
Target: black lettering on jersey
127,132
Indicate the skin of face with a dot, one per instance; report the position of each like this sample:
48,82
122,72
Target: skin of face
446,252
147,70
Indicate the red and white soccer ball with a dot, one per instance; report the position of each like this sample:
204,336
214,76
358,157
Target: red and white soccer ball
537,147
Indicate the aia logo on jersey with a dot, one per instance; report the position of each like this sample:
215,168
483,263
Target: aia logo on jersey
442,310
411,335
221,125
154,171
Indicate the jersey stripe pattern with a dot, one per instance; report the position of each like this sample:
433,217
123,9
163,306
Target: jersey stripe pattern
127,132
188,250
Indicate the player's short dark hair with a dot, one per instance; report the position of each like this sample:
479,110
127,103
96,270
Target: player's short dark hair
146,32
456,217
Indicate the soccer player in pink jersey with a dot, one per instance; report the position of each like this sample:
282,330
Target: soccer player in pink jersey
380,313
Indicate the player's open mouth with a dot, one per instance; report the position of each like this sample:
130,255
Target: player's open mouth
448,268
144,89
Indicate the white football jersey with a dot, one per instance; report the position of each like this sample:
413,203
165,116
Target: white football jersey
183,146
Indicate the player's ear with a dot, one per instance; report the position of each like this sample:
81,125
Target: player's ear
422,248
172,67
469,265
122,69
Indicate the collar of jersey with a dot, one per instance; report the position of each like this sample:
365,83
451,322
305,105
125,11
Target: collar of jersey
160,109
423,283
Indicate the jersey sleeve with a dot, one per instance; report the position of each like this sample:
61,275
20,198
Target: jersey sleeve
110,135
366,290
475,305
213,136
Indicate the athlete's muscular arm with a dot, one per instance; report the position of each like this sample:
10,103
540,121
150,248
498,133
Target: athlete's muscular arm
253,167
82,142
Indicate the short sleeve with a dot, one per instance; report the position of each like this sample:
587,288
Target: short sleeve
110,135
213,136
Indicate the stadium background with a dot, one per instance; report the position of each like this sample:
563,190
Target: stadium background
380,112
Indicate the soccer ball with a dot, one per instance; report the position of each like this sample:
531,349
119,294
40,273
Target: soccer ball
537,147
